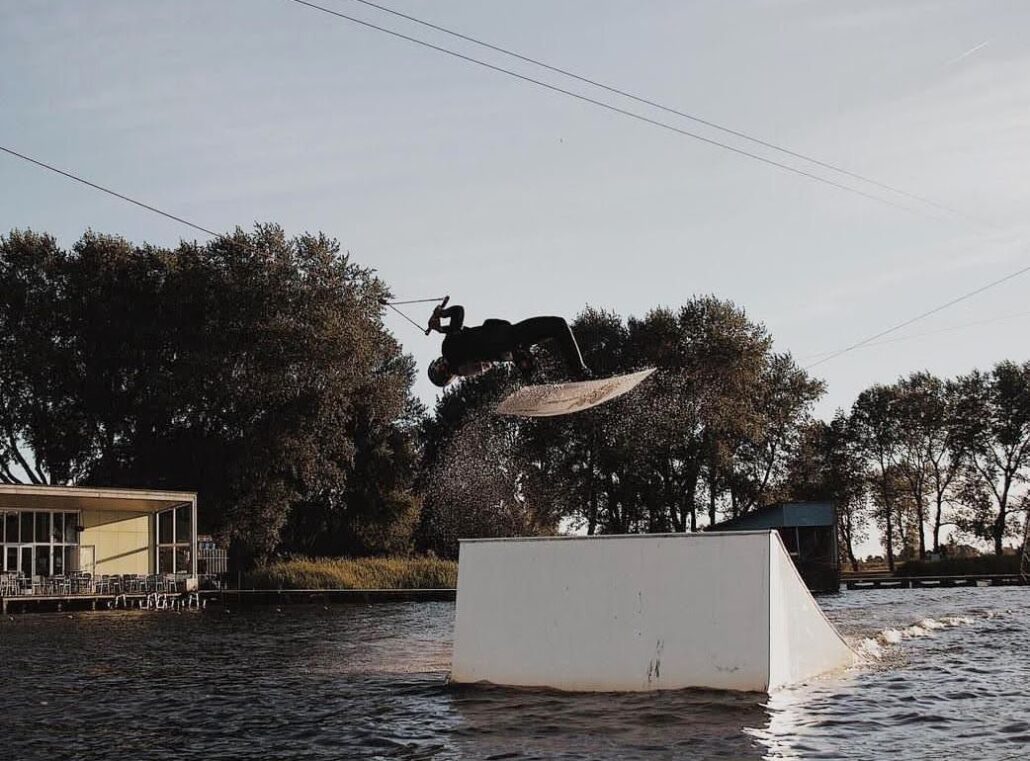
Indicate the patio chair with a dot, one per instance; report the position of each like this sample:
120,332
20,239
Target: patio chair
82,583
8,584
63,585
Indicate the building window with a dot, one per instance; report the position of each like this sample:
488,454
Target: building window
38,542
11,522
175,540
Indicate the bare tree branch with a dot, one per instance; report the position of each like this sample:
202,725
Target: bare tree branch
24,465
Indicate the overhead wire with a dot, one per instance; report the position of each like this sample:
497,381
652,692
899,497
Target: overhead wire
579,96
110,192
950,329
921,316
181,220
212,233
169,215
615,109
675,111
687,133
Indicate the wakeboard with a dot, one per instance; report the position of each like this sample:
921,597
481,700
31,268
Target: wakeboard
565,398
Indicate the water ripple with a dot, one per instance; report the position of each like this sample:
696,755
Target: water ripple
945,670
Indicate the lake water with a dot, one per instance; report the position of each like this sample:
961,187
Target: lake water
948,672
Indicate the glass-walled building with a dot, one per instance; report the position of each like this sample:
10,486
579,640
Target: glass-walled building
58,530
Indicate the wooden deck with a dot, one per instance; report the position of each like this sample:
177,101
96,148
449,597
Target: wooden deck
49,603
245,597
885,581
229,598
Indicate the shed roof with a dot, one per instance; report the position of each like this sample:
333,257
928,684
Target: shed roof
782,514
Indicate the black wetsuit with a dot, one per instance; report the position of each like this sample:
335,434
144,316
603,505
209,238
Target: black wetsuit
501,341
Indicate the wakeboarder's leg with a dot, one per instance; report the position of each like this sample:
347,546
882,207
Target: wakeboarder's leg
539,329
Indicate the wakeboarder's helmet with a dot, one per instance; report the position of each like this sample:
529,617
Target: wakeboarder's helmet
440,372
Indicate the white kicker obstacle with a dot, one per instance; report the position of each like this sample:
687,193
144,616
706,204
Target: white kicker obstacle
642,612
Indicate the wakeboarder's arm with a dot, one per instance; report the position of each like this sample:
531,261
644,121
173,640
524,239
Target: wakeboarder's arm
455,316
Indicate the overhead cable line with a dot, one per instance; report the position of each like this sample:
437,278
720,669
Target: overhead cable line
686,133
110,192
677,112
928,334
166,214
212,233
924,315
609,107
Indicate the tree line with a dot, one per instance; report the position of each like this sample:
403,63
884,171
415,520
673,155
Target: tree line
256,370
925,453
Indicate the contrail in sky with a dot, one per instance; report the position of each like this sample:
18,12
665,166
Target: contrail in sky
970,52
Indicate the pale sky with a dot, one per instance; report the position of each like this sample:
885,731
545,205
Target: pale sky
451,179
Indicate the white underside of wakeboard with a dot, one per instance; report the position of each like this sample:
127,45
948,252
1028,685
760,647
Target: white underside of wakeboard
565,398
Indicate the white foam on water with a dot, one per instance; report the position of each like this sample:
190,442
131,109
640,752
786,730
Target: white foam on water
877,646
870,648
890,636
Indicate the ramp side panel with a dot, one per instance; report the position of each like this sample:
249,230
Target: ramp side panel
804,642
627,613
779,628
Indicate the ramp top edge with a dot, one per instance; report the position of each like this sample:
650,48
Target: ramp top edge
598,537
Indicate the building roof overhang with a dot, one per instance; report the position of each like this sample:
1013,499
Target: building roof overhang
31,497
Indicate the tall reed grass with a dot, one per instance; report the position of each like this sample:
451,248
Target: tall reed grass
356,573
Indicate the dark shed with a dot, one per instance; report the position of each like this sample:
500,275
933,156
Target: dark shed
809,532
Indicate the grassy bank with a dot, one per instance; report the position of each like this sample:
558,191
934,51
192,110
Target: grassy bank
356,573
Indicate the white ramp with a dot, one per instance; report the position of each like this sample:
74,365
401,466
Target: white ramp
641,612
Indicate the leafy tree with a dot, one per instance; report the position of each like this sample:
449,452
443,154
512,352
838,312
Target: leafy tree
581,454
829,465
254,369
873,418
993,434
894,513
783,398
30,276
927,449
712,428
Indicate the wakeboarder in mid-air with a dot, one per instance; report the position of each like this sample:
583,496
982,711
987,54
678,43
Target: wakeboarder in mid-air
468,351
471,350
